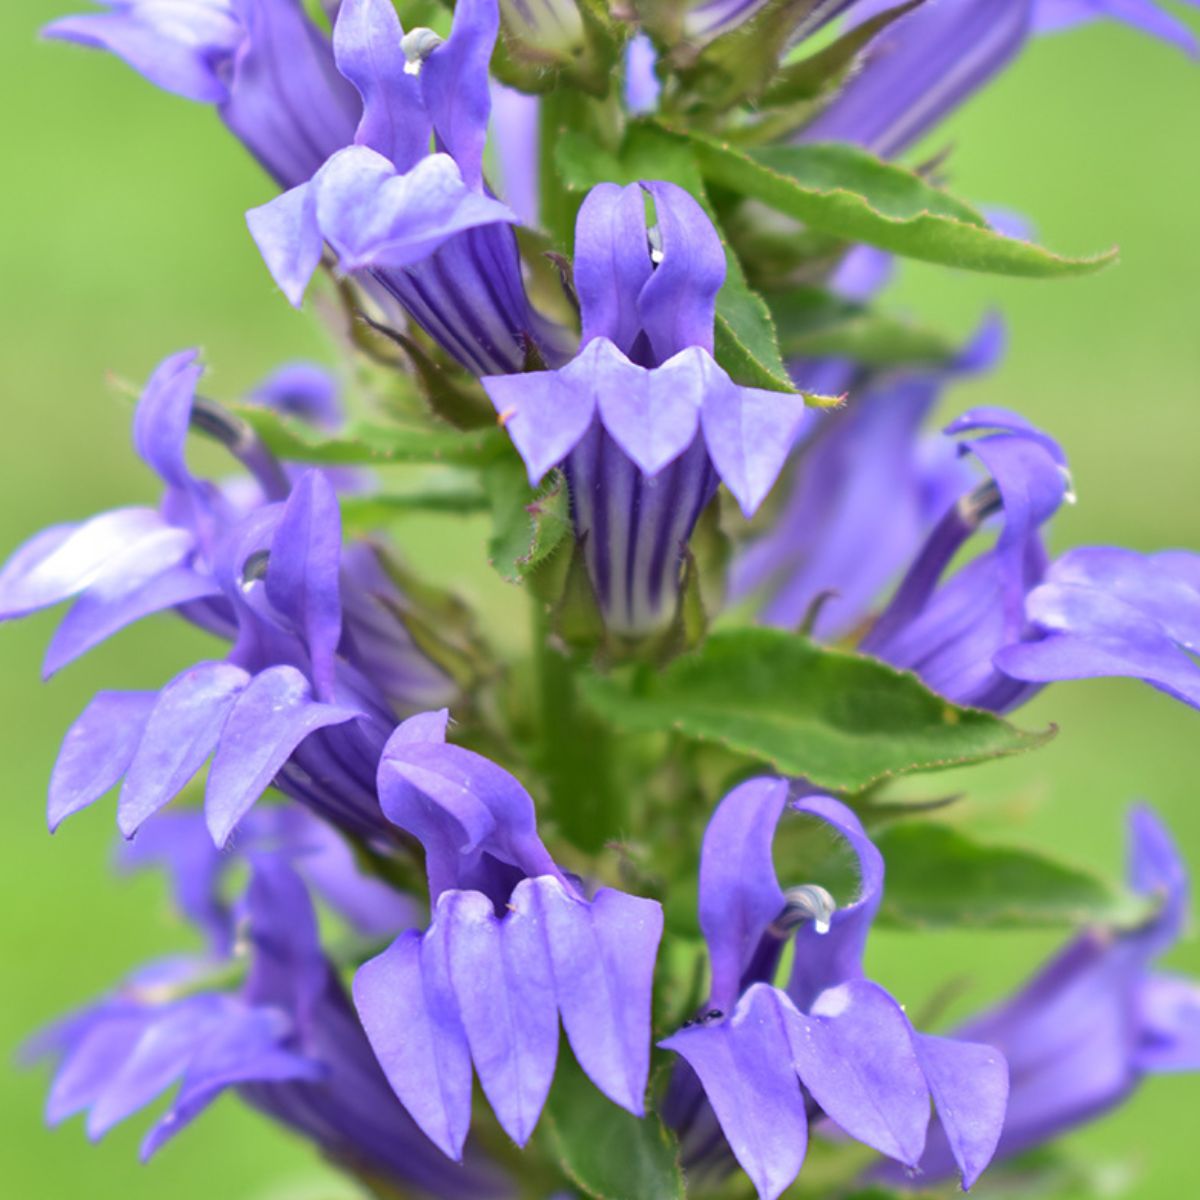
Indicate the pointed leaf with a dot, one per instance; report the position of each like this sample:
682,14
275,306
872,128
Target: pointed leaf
838,719
850,194
941,877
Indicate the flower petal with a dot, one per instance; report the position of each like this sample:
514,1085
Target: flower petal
58,564
504,984
287,235
745,1066
455,82
1092,634
97,751
612,263
180,734
302,581
183,58
928,63
111,604
824,960
461,807
652,415
854,1052
267,722
546,413
374,216
91,1062
969,1085
160,421
1169,1021
366,42
407,1007
246,1048
749,434
739,892
677,306
159,1058
603,956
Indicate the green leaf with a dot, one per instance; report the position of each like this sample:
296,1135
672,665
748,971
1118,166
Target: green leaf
940,877
605,1151
846,192
744,340
744,335
365,444
815,323
839,719
528,524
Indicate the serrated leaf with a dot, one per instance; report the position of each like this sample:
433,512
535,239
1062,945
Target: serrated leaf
528,524
841,720
744,340
608,1153
941,877
365,444
851,194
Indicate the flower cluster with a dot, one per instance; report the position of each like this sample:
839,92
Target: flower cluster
606,268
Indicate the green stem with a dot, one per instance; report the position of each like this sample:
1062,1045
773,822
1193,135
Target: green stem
575,748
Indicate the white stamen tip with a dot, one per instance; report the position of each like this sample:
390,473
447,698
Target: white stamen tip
417,45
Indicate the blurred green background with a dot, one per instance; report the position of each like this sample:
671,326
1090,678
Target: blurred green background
123,240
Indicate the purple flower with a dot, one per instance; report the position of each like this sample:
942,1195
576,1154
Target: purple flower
317,639
928,63
1101,610
123,565
643,420
420,226
1095,1020
266,67
867,488
949,630
994,631
514,944
831,1045
291,706
287,1041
